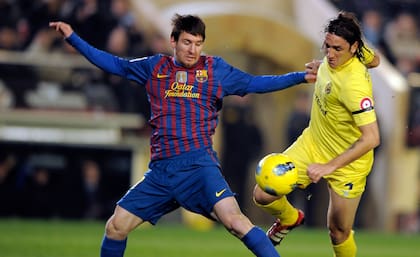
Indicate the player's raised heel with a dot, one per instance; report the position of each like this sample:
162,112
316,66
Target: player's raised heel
278,232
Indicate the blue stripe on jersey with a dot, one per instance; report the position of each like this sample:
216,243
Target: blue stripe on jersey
215,88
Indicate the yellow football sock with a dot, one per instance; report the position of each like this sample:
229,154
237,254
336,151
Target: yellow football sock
347,248
282,209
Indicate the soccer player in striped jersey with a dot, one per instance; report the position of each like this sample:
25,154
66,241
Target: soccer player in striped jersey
185,92
339,141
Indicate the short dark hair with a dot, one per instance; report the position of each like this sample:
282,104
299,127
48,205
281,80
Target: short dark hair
188,23
347,26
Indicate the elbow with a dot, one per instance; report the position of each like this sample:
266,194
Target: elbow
375,62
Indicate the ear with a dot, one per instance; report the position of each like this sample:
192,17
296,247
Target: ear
173,42
353,48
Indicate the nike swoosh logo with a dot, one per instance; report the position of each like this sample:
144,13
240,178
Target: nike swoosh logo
218,194
161,76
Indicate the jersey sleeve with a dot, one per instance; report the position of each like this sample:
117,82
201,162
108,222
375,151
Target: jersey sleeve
135,69
270,83
358,98
235,81
99,58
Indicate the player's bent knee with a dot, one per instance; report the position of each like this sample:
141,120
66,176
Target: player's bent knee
114,231
239,225
338,236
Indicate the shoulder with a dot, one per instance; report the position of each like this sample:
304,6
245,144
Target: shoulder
360,72
152,60
356,70
212,59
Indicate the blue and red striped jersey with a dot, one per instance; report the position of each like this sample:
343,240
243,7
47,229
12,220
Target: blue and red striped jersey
184,101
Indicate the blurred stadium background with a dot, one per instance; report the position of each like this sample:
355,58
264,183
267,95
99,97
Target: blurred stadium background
73,139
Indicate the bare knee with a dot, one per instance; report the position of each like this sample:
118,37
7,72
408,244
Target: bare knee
238,225
121,224
114,231
338,235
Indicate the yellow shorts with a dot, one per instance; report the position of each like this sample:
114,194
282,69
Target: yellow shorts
348,182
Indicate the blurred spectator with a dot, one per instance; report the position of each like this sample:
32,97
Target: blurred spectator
8,38
299,117
403,37
131,98
159,44
297,121
38,193
7,99
413,135
19,80
41,13
9,13
372,22
23,31
124,17
42,42
372,26
91,22
107,24
9,194
92,200
358,7
118,42
99,95
242,144
121,11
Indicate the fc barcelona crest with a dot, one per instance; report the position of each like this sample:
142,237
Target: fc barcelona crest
201,75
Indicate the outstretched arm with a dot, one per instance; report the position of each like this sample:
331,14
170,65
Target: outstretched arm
264,84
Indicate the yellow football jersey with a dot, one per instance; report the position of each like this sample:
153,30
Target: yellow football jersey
343,100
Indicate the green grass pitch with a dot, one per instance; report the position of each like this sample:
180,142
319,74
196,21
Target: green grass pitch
58,238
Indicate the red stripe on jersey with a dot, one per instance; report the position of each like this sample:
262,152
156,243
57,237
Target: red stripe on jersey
210,87
156,104
194,129
174,121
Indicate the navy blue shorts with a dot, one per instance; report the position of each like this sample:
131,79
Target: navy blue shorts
193,181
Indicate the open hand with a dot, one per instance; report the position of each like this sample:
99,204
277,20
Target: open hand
62,27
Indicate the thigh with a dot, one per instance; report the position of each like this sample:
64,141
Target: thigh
150,198
201,188
229,214
348,182
301,152
341,211
121,223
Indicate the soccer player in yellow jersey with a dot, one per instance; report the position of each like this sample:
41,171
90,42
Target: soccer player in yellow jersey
339,141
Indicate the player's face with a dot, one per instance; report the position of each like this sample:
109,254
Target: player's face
338,50
187,49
